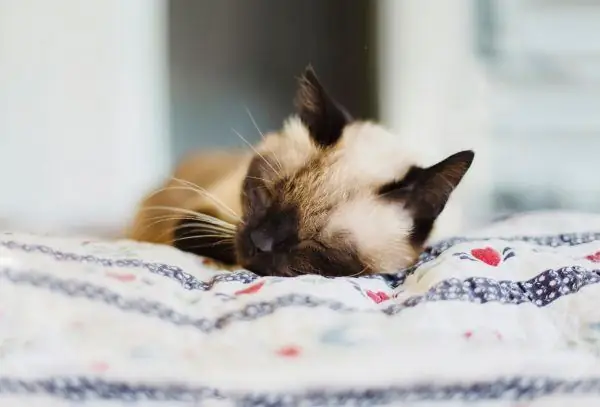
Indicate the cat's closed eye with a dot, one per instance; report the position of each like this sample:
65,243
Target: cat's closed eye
258,196
311,244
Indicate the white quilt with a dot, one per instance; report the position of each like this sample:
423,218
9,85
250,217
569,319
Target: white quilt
511,321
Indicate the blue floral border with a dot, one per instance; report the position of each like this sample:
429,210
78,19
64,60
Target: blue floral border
80,389
190,282
541,290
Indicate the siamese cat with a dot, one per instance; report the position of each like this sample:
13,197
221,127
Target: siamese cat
326,194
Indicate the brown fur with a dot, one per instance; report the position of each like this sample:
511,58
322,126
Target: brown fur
324,195
206,170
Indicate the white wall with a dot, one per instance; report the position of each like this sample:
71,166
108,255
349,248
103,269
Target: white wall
434,91
83,110
546,103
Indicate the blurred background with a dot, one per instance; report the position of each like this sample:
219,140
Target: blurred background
98,100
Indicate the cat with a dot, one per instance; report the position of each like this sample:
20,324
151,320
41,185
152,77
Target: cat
327,194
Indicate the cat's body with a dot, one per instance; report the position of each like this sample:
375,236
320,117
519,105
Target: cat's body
218,172
326,195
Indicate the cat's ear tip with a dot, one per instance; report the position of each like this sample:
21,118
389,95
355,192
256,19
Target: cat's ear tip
466,155
309,76
309,70
310,92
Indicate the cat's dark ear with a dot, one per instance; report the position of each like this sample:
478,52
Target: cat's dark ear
425,191
320,113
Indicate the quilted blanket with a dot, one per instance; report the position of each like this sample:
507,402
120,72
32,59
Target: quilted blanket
508,316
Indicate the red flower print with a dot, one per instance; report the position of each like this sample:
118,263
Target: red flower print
125,277
378,296
469,335
252,289
487,255
77,325
289,351
99,367
594,257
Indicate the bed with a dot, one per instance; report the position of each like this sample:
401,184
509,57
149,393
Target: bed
505,316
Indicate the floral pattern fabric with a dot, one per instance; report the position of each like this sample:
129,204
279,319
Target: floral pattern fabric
504,320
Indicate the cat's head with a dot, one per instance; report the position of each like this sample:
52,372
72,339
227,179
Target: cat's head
335,196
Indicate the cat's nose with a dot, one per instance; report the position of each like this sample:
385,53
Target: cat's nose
262,241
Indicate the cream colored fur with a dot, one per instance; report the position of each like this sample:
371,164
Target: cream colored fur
335,196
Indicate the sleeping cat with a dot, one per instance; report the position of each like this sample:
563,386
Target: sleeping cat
326,194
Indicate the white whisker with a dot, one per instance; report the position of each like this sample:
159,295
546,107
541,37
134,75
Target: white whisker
256,151
211,244
202,226
254,122
266,181
224,238
206,225
143,227
204,192
200,191
198,216
261,135
195,215
216,233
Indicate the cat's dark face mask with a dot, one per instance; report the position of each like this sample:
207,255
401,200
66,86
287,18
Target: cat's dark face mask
275,237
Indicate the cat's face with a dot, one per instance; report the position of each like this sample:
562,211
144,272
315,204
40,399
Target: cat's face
332,196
